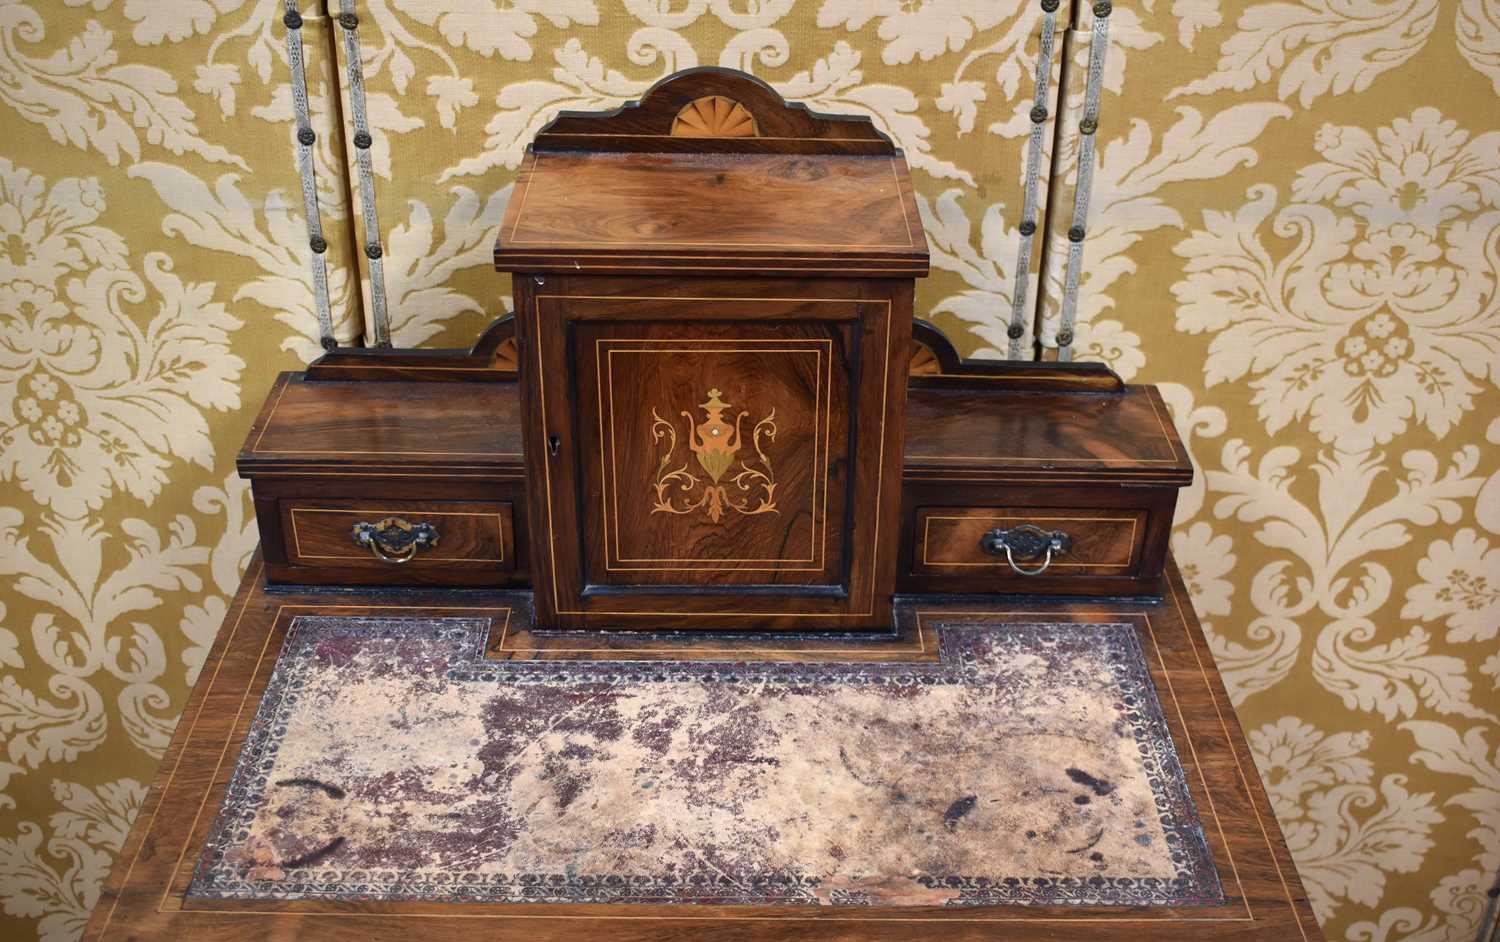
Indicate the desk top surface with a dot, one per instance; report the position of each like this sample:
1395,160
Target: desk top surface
145,896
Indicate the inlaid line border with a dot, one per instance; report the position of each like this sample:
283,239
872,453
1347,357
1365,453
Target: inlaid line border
252,590
822,397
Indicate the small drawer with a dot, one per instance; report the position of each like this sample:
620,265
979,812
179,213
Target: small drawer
1035,540
1028,542
397,541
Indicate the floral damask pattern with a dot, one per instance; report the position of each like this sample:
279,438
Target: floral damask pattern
1313,47
101,398
1459,587
1319,786
1294,230
1333,293
1384,312
128,327
85,835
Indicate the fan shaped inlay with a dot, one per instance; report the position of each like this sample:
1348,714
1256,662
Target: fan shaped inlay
923,362
714,116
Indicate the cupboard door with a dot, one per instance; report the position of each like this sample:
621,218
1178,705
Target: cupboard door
720,453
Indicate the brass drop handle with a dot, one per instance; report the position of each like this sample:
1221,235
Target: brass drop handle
1028,542
394,540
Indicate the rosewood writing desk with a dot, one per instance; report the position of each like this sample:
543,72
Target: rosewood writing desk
709,596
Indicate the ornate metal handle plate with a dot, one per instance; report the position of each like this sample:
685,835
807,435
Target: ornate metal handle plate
1026,542
394,540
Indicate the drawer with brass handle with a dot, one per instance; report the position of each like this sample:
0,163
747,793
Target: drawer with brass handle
431,542
394,540
1082,542
1026,542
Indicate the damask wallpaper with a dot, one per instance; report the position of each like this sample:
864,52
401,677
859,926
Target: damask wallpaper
1292,224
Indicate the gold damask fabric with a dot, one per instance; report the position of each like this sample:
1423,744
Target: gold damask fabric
1293,227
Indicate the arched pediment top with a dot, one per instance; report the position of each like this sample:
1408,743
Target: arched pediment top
714,110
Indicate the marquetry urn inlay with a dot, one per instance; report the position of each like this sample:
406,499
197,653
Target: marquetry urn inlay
715,443
714,116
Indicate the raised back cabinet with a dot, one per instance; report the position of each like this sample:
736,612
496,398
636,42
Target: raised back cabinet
713,409
713,297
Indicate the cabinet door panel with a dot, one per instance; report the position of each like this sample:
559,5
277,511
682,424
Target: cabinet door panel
709,447
719,458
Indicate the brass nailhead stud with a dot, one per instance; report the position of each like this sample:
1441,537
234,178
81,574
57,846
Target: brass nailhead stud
1064,337
373,250
1088,125
1027,227
1103,8
318,244
349,20
362,139
1015,331
1039,114
292,20
306,136
1075,234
